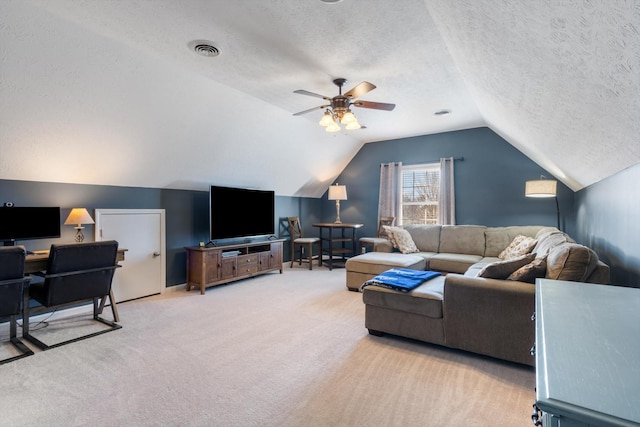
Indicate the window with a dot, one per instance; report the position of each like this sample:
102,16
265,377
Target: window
420,194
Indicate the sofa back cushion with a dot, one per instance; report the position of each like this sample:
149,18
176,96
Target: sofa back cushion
547,241
498,238
462,239
426,237
571,261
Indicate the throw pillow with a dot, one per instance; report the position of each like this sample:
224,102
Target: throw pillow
530,272
503,269
401,239
520,245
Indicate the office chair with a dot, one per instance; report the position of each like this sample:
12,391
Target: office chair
297,241
12,283
76,272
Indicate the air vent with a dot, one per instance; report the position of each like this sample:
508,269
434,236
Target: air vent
442,113
204,48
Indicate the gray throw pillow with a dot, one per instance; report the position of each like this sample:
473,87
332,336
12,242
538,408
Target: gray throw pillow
530,272
503,269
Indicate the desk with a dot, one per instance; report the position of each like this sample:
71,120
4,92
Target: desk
38,262
343,238
587,370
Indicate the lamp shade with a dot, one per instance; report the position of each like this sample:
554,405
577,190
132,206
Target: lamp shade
338,192
78,216
540,188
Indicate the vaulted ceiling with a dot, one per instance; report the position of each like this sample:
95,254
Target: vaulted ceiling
109,92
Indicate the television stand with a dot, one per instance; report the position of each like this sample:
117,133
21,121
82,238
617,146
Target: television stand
212,266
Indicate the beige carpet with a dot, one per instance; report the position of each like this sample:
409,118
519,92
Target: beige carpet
276,350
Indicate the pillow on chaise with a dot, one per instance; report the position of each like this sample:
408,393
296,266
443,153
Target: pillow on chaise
401,239
521,245
536,269
503,269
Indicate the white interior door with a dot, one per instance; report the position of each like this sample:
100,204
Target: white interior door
142,233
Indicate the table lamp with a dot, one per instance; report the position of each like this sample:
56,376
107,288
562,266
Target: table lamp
79,216
338,192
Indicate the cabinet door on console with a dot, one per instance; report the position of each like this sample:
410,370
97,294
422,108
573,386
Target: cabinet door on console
264,260
276,255
228,268
211,261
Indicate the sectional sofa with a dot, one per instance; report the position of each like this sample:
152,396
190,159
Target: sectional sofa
484,300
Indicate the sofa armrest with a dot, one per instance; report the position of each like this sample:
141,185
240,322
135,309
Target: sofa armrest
490,316
384,246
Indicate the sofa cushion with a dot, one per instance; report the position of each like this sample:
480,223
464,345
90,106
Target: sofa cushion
530,272
401,239
498,238
549,240
377,262
452,263
571,261
502,269
520,245
426,237
462,239
425,300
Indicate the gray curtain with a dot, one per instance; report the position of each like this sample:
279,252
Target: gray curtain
389,202
447,201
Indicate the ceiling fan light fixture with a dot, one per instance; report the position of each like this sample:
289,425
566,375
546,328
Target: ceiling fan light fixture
348,117
326,119
353,125
333,127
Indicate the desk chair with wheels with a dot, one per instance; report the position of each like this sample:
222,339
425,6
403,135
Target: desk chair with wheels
302,243
372,242
12,283
76,272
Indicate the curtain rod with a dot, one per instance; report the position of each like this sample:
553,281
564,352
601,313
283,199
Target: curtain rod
459,159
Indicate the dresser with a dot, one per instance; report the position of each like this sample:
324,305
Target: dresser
587,354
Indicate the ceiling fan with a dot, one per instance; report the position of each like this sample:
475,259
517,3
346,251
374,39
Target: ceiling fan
339,107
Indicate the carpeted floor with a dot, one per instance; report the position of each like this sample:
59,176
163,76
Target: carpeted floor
276,350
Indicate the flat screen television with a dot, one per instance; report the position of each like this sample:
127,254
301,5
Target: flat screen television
27,223
240,212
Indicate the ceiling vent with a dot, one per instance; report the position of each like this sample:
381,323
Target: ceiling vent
204,48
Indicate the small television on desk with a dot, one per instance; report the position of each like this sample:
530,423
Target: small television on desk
240,212
28,223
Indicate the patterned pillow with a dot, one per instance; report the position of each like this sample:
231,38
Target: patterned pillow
520,245
530,272
401,239
503,269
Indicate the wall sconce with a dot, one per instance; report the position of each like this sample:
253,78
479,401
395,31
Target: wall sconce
79,216
543,188
337,193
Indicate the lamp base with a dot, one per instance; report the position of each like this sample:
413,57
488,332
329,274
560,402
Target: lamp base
337,221
79,236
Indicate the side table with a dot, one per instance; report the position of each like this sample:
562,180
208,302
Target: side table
342,233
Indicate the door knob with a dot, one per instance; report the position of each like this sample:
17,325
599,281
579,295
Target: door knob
156,254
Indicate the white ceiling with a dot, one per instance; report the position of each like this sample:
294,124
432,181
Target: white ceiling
108,92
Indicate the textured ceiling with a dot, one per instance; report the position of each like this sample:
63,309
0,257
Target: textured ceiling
107,92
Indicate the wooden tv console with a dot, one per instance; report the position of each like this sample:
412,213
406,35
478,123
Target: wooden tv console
211,266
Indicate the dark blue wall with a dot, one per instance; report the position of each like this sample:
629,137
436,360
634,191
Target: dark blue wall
489,191
186,213
608,220
489,182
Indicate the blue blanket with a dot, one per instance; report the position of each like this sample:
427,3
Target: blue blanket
401,279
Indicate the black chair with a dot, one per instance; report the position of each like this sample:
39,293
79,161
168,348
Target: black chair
75,273
12,283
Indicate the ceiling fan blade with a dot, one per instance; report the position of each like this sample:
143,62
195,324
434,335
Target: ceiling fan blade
306,92
360,90
311,109
375,105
